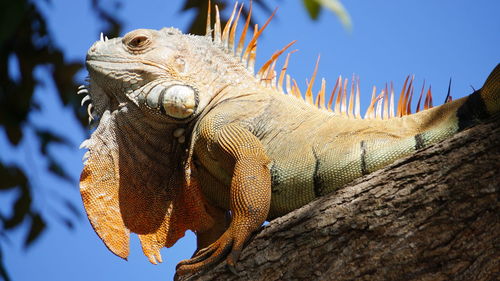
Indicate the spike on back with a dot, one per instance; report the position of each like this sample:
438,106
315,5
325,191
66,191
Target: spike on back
252,50
381,104
339,97
296,90
370,109
357,112
227,28
343,104
410,96
350,108
241,41
402,101
332,95
273,59
209,21
320,97
420,97
391,102
448,95
283,72
386,101
253,42
428,99
309,95
233,29
217,28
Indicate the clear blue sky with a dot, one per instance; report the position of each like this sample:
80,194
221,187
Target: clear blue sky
390,39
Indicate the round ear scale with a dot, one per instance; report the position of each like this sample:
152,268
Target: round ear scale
154,95
179,101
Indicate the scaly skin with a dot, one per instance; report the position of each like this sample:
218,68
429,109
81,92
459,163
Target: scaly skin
186,134
312,152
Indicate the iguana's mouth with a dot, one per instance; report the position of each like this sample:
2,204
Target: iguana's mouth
98,63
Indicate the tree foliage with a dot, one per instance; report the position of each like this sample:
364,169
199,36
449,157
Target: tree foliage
25,45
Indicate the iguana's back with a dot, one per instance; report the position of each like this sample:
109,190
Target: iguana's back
313,151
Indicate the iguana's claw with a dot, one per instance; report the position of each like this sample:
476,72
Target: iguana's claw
232,259
207,257
210,256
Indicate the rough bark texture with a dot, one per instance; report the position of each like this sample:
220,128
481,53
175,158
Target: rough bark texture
431,216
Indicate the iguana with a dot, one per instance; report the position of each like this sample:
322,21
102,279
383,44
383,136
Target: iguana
189,138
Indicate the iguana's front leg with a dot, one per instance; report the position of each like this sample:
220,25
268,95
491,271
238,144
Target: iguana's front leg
221,220
250,197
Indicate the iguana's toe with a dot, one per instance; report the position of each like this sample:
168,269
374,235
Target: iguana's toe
207,257
232,259
228,245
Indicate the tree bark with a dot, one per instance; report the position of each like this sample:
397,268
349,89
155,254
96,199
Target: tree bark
431,216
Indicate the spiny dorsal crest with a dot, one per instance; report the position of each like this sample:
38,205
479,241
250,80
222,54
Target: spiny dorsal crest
381,105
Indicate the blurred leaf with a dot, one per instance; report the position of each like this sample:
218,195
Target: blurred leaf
36,228
12,12
26,44
64,219
63,73
16,92
198,24
11,177
337,7
46,137
114,26
57,170
67,222
3,271
73,209
21,208
313,8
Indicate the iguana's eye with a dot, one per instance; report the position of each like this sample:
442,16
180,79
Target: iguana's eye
138,41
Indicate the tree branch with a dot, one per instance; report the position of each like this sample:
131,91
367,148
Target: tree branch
431,216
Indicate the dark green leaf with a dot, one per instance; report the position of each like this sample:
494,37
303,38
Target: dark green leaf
313,8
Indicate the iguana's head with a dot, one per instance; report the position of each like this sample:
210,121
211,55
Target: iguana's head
173,76
157,71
